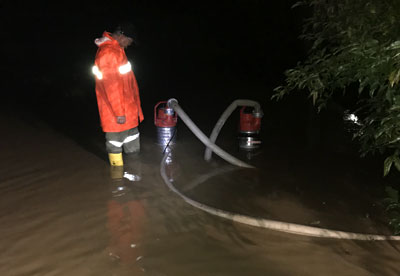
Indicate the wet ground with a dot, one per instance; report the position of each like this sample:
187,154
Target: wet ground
64,211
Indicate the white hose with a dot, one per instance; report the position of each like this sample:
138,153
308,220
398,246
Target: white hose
272,224
203,138
253,221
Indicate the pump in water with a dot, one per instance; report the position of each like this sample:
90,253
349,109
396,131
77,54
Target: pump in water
249,128
165,120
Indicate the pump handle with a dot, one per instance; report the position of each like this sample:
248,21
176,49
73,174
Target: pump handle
155,110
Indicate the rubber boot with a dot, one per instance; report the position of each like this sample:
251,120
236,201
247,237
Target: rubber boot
117,172
116,159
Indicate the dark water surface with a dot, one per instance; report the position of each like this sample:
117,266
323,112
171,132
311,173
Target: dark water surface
64,211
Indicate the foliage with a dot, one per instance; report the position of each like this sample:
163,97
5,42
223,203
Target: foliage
355,43
393,207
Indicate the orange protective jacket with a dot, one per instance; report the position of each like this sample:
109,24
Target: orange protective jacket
116,87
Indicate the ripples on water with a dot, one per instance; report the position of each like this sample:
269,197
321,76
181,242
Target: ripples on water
64,212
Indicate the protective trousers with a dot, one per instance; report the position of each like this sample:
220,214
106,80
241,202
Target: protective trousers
127,140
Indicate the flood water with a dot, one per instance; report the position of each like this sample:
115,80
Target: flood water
64,211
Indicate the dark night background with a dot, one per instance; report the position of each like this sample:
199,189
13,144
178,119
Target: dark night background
195,51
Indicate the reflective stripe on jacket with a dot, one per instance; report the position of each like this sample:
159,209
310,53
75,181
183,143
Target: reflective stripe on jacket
116,87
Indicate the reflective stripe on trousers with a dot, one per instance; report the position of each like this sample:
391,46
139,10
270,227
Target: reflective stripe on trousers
126,140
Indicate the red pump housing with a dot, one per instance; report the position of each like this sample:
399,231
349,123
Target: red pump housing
164,116
249,123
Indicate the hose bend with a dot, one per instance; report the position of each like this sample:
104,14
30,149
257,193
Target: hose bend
220,123
253,221
173,103
280,226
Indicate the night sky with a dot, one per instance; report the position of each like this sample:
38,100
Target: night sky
182,47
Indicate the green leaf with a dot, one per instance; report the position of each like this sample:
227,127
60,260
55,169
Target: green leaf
392,77
392,206
298,4
395,45
314,95
397,161
387,164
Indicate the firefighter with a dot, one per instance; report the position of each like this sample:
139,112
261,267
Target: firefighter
117,94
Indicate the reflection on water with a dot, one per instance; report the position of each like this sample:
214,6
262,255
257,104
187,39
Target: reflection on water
125,225
126,217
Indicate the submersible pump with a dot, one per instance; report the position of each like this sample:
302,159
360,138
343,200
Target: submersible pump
165,119
249,128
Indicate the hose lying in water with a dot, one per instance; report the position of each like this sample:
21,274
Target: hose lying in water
220,123
254,221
